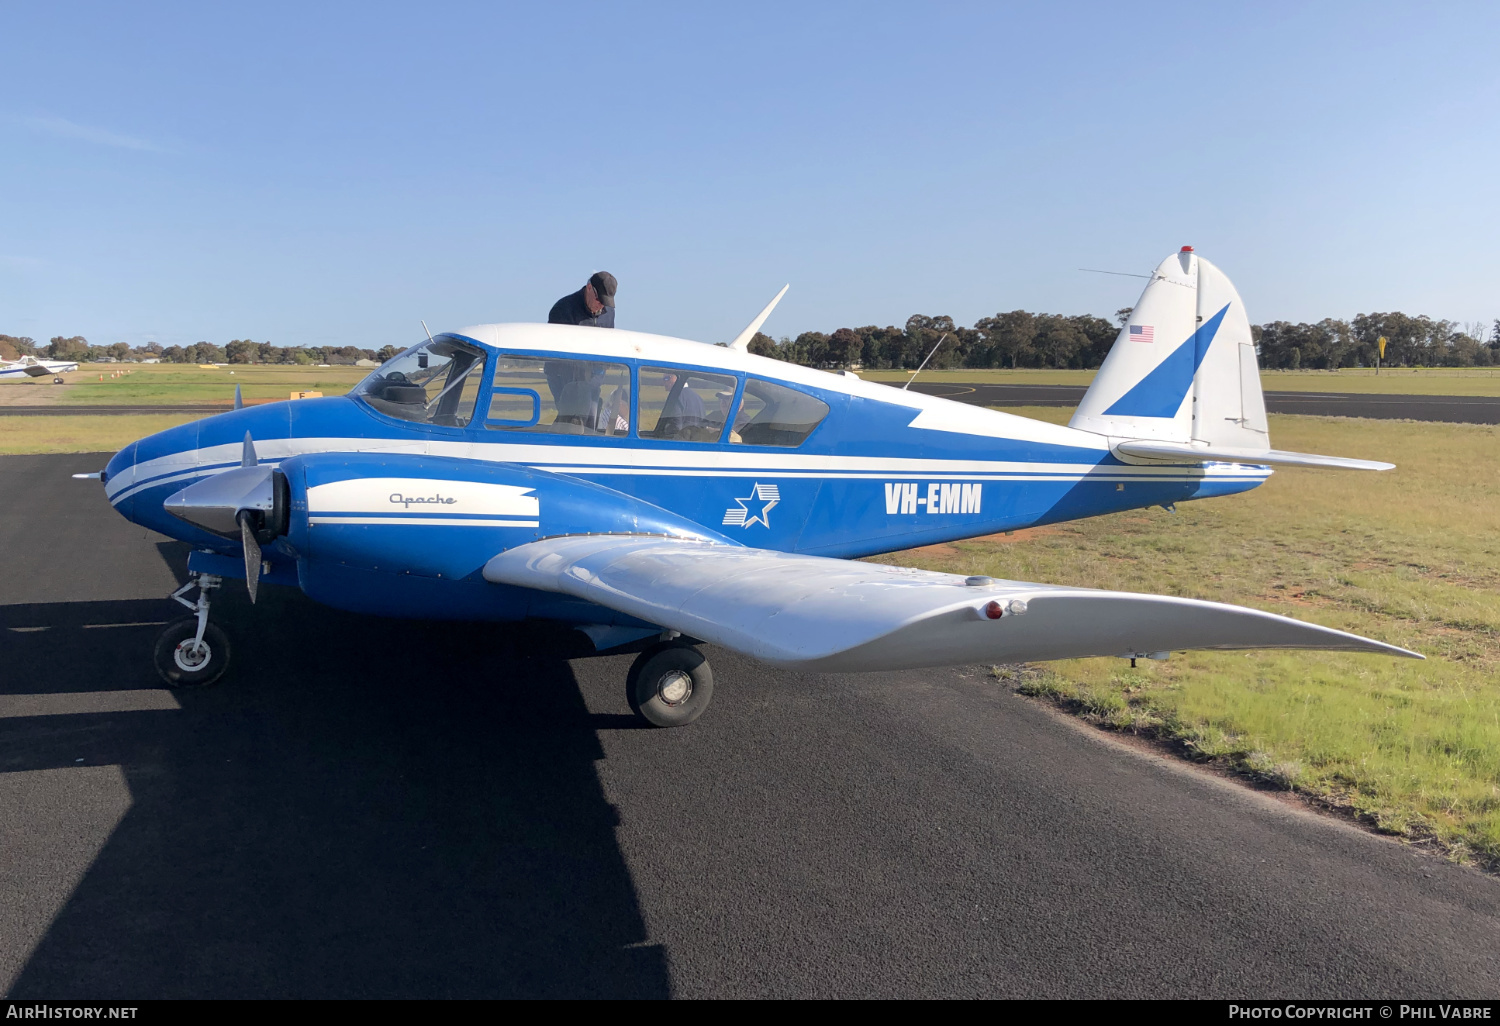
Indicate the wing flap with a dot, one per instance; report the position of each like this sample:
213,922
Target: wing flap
816,613
1186,452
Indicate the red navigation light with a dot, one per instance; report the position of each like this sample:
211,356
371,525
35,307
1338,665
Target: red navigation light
994,611
1187,249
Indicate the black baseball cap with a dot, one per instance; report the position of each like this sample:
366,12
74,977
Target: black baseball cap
604,287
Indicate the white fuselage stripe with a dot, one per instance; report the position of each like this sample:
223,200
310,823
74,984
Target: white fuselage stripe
635,462
425,521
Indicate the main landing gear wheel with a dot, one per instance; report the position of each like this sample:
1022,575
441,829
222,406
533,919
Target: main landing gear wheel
186,662
670,685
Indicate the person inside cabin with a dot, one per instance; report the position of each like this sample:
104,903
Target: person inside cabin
593,305
614,413
683,410
719,418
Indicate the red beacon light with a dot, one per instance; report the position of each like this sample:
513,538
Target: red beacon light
994,610
1187,249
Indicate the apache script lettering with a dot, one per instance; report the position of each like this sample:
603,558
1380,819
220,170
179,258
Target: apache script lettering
408,500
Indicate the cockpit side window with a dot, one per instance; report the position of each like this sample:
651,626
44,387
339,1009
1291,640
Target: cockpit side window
773,414
433,383
684,405
560,397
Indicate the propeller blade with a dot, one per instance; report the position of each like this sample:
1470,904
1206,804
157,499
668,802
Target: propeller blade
252,554
247,454
239,402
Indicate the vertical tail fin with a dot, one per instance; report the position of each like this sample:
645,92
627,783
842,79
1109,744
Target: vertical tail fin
1183,368
1181,383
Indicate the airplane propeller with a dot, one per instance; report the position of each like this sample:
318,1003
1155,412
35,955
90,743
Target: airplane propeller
247,527
252,554
241,502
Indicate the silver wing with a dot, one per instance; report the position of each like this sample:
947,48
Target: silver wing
815,613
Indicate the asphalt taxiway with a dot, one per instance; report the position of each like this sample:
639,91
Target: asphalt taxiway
376,808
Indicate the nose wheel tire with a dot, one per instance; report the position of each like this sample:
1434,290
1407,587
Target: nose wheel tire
184,662
670,685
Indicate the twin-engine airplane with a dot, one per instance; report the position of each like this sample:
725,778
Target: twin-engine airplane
640,487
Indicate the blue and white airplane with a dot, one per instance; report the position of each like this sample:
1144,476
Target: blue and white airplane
31,367
641,487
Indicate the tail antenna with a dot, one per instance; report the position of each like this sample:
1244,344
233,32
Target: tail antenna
923,364
742,340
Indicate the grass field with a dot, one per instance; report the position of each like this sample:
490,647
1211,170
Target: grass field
1391,381
1410,557
170,384
81,434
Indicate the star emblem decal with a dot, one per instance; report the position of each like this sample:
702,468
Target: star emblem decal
753,508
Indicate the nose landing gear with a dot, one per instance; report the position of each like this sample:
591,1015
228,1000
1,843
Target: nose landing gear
191,652
670,684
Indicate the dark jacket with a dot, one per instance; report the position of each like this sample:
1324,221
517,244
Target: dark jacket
571,309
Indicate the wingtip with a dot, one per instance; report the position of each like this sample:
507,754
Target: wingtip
1384,648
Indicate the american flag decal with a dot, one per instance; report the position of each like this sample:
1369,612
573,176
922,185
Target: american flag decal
1142,333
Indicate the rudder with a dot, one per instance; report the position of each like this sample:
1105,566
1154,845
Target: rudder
1183,367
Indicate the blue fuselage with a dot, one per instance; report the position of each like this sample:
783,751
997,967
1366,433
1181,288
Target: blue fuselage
871,478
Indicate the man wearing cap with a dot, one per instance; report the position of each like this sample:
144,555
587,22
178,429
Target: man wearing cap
593,305
726,400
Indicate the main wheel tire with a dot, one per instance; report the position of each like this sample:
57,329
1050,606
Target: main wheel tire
180,665
670,685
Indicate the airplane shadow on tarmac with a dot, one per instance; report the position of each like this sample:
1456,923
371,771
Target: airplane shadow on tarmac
363,808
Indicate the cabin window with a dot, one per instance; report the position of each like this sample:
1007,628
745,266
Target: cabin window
684,405
772,414
560,397
434,383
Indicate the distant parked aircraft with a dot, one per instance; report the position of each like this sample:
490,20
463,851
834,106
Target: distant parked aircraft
31,367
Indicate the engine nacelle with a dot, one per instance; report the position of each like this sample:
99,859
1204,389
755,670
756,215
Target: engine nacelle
215,503
433,516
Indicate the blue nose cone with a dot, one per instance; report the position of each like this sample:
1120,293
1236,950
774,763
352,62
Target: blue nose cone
146,472
121,463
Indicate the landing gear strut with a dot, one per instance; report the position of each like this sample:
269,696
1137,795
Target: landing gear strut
670,684
191,652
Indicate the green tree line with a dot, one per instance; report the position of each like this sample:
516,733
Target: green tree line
1024,339
1007,340
1410,342
236,351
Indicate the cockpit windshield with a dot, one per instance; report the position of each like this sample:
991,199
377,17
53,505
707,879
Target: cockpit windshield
433,383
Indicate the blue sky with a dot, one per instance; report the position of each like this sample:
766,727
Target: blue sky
318,174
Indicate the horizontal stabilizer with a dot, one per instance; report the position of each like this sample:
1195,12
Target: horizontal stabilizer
840,615
1186,452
